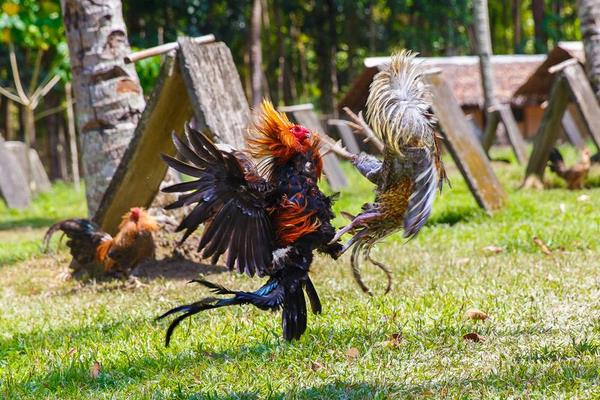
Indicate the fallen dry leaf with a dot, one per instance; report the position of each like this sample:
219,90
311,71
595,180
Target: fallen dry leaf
72,351
583,197
493,249
540,243
315,365
395,340
473,313
95,370
463,261
474,337
352,353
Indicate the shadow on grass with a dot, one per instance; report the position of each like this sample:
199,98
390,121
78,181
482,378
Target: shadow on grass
454,216
29,222
73,374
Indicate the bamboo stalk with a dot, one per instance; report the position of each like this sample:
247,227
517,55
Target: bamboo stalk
164,48
72,137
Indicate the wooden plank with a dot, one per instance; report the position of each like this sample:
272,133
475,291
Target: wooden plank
585,99
489,134
515,137
465,147
549,130
334,174
138,177
13,183
571,128
348,137
215,91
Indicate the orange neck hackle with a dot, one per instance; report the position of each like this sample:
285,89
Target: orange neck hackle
139,217
275,136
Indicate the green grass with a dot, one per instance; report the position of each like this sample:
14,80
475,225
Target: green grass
21,230
542,339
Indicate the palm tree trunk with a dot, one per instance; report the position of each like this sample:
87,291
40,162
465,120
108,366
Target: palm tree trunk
589,15
484,50
256,53
108,93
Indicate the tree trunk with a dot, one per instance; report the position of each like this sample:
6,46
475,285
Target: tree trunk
484,50
541,43
280,53
108,93
326,49
589,15
517,32
256,53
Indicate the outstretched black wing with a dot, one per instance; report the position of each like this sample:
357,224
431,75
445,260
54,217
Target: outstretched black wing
233,209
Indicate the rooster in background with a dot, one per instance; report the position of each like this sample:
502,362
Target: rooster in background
268,217
411,171
576,175
88,244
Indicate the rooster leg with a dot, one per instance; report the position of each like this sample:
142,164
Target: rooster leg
384,268
350,242
359,220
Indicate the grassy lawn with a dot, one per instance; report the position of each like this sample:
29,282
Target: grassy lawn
542,339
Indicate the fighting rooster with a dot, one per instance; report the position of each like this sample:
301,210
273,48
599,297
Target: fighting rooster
88,244
269,217
576,175
397,113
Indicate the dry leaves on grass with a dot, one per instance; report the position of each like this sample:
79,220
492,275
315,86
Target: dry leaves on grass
394,340
478,315
315,365
95,370
352,353
463,261
473,337
491,249
540,243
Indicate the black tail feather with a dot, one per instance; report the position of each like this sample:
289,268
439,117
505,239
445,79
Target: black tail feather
192,309
313,297
293,317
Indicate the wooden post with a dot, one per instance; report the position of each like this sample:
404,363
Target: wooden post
464,146
585,99
138,177
215,90
514,133
548,131
571,126
489,134
348,137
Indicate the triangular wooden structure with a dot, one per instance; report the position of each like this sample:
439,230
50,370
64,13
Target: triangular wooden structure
571,82
200,81
464,146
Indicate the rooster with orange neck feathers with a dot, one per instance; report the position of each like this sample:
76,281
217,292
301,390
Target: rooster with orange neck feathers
269,217
132,245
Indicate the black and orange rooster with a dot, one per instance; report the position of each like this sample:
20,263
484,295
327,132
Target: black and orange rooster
268,217
88,244
576,175
411,171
